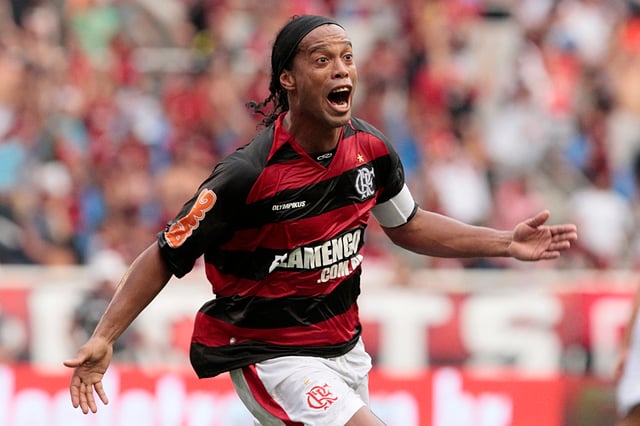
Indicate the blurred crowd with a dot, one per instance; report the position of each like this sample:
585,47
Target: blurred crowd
113,111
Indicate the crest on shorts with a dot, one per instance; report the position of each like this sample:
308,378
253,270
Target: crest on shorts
320,397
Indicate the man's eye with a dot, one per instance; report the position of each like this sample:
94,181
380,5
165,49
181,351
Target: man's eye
322,59
348,56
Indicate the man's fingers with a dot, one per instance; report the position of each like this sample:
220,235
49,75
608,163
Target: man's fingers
559,245
539,219
84,406
82,395
80,358
73,363
91,401
101,393
567,231
74,389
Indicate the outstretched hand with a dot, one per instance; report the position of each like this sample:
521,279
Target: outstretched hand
90,364
532,240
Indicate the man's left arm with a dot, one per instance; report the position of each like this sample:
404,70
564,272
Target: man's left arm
437,235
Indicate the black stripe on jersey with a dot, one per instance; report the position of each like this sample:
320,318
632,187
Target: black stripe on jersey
319,198
211,361
255,264
284,154
294,311
362,126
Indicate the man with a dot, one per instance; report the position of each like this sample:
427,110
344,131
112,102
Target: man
627,372
281,225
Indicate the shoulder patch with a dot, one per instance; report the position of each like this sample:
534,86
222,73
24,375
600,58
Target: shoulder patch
179,231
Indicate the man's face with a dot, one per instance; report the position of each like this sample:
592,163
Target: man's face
323,77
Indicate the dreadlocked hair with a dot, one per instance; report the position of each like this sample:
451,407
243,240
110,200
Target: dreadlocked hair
277,96
282,53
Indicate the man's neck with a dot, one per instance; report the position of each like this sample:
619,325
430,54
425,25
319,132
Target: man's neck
311,138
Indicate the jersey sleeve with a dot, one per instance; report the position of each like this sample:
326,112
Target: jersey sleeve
395,205
397,211
207,220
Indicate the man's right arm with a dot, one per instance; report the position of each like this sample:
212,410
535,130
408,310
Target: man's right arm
146,277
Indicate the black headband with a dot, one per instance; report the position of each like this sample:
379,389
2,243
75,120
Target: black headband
290,36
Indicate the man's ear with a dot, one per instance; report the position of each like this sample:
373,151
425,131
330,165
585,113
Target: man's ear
287,80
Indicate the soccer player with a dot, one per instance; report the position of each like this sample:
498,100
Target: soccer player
280,223
627,373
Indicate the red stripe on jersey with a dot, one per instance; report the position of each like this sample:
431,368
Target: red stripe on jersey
280,283
293,174
351,152
212,332
262,397
291,234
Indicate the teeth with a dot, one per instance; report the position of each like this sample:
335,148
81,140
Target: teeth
341,94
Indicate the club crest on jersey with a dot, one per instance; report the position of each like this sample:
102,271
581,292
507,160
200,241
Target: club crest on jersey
365,182
179,231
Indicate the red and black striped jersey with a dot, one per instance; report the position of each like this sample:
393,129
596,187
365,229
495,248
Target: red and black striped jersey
281,237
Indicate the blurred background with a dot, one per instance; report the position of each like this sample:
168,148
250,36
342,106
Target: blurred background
113,111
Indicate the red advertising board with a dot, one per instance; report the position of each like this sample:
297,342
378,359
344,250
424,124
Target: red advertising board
441,397
531,355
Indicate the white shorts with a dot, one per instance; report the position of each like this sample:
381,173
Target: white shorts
628,389
297,390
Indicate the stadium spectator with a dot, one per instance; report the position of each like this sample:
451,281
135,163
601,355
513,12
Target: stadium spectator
84,81
105,269
13,339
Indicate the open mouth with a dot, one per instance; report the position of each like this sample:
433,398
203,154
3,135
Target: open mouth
340,96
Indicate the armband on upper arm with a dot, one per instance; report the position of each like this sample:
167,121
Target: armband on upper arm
396,211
